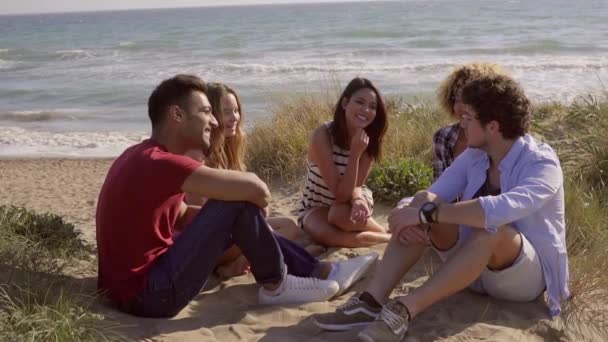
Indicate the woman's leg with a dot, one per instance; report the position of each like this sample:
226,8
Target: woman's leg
339,216
232,263
284,226
317,225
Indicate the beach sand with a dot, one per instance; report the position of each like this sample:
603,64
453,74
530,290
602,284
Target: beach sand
227,311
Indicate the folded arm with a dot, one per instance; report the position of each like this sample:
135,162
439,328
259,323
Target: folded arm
227,185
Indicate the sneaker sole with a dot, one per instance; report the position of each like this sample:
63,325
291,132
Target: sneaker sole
365,338
340,327
360,273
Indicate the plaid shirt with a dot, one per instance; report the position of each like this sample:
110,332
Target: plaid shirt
444,141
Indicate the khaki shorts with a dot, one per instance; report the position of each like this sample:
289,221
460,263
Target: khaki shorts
521,282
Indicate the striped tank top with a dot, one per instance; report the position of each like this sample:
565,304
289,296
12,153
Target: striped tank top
316,193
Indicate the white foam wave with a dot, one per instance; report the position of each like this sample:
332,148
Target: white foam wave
42,115
5,65
74,54
408,65
16,141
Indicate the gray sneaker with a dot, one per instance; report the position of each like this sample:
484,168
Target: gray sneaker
352,314
391,325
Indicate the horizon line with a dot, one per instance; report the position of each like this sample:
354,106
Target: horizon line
296,2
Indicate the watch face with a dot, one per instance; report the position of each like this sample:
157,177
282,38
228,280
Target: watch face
428,207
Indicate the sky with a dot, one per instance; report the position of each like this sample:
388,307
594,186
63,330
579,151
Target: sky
49,6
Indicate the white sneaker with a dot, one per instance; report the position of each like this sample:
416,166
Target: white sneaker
300,290
350,271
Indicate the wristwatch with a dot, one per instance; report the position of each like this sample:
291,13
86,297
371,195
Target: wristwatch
428,213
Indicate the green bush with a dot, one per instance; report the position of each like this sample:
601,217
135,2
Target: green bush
392,180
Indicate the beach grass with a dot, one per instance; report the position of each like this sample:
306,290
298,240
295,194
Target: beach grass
577,131
36,314
37,250
37,300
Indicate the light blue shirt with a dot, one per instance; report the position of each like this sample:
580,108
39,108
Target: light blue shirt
531,200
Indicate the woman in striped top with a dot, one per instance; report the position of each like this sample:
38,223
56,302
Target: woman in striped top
336,205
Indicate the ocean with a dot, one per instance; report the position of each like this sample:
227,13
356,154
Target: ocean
77,84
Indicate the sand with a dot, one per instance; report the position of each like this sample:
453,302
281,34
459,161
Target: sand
227,311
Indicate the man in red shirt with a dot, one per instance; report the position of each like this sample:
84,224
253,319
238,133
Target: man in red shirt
143,270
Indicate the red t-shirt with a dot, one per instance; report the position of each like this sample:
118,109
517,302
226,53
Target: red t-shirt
138,206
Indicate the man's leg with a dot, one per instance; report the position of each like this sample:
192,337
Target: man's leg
495,251
362,309
397,260
299,262
182,271
481,249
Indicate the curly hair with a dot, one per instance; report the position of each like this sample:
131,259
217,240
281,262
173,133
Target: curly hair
450,87
499,98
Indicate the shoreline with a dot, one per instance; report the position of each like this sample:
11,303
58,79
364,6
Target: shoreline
19,142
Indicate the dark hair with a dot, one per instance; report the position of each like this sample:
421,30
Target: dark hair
173,91
502,99
375,130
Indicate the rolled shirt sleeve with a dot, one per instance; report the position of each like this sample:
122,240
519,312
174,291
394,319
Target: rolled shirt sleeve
538,183
452,182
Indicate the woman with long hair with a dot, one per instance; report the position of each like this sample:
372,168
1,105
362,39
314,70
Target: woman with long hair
228,152
336,205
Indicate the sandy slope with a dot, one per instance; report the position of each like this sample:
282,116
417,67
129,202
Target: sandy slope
228,311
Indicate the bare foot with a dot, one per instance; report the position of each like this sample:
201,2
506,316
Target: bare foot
315,250
237,267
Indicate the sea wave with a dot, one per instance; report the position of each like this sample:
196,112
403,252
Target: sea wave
19,55
152,45
531,49
74,54
7,65
402,65
16,141
42,115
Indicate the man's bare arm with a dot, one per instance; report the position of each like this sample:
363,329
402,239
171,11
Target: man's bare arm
227,185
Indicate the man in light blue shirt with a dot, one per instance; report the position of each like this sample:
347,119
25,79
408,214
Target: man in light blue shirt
505,238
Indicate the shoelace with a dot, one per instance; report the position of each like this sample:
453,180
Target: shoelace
352,301
303,283
392,319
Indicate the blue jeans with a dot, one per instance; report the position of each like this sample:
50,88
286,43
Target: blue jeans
178,275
